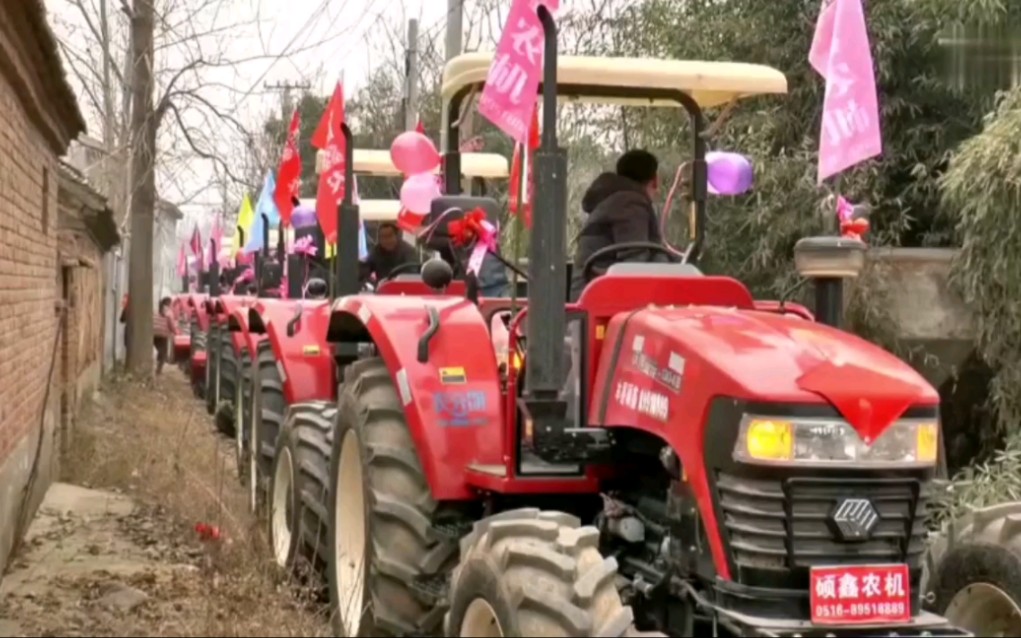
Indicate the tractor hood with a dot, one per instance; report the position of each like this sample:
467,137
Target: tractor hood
775,358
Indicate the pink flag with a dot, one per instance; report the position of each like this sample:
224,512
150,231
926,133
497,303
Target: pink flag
850,115
513,80
182,262
196,248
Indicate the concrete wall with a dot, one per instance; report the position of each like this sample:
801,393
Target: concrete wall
933,321
29,287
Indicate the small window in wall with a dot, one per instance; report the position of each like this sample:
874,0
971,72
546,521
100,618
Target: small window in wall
46,200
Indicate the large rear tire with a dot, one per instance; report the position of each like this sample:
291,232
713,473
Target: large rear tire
533,573
975,573
212,369
228,381
391,546
298,481
268,409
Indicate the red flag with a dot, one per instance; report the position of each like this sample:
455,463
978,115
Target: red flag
331,120
330,192
420,128
514,205
196,248
289,174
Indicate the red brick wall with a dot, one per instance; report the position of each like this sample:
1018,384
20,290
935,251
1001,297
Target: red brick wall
29,273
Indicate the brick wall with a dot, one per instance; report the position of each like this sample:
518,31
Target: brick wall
29,278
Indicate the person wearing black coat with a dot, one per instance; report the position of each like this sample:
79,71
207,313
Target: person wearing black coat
618,208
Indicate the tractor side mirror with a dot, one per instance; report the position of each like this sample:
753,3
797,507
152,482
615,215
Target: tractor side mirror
316,288
437,274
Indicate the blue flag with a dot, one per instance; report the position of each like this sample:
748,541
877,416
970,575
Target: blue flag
266,205
363,246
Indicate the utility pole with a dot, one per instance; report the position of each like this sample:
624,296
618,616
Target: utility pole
143,182
455,30
286,100
409,105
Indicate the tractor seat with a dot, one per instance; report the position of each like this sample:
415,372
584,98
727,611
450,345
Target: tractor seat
654,269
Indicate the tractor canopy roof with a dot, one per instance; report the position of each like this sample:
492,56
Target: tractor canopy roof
378,162
632,81
370,210
484,165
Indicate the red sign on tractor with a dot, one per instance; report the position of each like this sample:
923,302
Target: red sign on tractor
858,595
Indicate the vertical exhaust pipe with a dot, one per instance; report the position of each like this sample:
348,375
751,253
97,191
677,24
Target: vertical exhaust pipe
345,261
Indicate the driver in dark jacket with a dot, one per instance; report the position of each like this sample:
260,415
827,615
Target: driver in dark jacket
618,208
389,252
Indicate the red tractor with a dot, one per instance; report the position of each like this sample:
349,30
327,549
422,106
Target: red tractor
295,376
198,328
227,290
181,347
662,454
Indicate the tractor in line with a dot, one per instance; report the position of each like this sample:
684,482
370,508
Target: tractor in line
664,456
295,377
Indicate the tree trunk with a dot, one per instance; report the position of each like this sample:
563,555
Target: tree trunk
143,201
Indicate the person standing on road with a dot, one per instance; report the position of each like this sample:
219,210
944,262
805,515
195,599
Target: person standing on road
162,332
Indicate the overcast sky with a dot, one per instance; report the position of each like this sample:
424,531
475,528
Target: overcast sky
313,41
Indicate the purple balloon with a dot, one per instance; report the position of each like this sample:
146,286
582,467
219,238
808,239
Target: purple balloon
729,173
303,217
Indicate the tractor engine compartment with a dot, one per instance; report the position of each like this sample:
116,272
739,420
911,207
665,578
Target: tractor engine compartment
775,524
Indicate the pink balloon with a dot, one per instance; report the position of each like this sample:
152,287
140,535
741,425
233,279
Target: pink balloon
412,153
418,193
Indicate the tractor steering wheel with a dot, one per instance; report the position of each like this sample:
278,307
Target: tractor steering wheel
411,266
590,263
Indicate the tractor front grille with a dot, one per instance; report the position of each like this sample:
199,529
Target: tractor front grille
776,530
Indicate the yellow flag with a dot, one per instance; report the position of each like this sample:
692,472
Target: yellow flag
331,250
245,218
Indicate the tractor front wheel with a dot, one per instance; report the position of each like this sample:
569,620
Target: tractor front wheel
533,573
227,373
391,545
212,370
198,344
975,579
241,421
268,408
301,465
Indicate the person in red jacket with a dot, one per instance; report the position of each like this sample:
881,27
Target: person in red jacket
162,330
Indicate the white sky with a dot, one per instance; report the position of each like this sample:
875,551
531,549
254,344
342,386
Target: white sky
317,41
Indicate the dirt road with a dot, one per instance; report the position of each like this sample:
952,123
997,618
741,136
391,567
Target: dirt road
114,550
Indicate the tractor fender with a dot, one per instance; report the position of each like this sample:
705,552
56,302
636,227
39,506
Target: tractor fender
305,359
237,325
452,400
197,303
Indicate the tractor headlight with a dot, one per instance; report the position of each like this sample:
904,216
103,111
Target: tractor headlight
831,441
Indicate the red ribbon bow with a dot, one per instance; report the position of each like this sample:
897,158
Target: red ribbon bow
854,228
465,230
